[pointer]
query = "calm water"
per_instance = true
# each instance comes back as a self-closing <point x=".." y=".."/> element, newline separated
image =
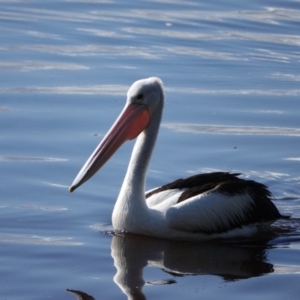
<point x="231" y="72"/>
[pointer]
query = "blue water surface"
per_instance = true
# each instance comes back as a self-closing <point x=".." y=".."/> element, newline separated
<point x="231" y="75"/>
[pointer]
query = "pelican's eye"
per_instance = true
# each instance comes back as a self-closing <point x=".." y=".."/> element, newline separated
<point x="139" y="97"/>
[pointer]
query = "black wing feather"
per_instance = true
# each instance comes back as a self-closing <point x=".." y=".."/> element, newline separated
<point x="262" y="210"/>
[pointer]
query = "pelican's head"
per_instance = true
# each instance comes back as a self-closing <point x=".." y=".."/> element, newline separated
<point x="148" y="92"/>
<point x="144" y="98"/>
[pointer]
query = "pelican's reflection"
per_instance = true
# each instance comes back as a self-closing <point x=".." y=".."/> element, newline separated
<point x="229" y="260"/>
<point x="80" y="295"/>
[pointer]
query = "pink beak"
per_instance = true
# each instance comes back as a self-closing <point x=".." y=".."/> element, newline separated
<point x="131" y="122"/>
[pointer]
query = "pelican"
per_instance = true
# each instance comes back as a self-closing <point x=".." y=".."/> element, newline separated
<point x="200" y="207"/>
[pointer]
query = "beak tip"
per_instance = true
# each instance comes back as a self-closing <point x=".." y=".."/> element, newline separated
<point x="71" y="189"/>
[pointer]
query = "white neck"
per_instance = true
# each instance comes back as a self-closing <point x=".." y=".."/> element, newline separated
<point x="131" y="210"/>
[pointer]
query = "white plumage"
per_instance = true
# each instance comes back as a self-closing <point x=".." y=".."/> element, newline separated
<point x="200" y="207"/>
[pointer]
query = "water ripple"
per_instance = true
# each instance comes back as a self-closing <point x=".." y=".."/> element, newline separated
<point x="122" y="89"/>
<point x="41" y="65"/>
<point x="31" y="159"/>
<point x="237" y="130"/>
<point x="29" y="239"/>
